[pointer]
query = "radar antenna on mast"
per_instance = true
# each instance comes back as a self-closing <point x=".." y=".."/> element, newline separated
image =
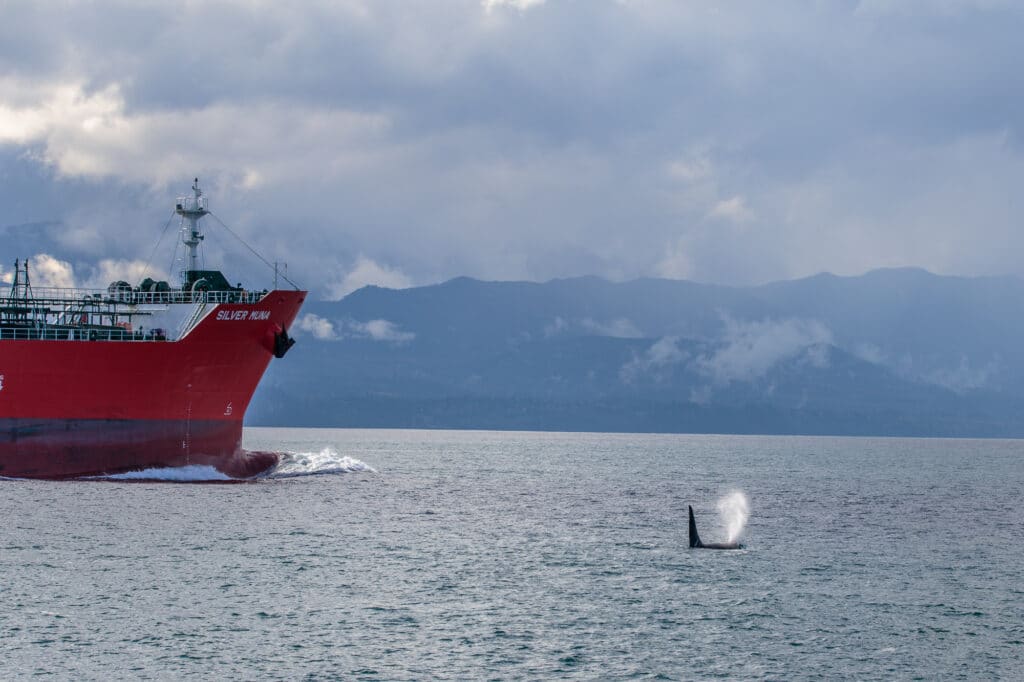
<point x="191" y="209"/>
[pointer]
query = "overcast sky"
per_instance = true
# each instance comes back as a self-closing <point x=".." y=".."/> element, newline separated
<point x="401" y="142"/>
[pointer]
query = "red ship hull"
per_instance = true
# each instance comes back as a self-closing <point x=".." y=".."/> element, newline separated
<point x="86" y="408"/>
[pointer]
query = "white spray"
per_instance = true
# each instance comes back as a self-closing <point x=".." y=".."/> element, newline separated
<point x="735" y="511"/>
<point x="327" y="461"/>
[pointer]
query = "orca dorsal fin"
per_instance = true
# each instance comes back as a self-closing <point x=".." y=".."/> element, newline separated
<point x="694" y="538"/>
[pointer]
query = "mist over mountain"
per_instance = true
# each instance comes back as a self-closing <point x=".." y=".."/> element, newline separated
<point x="892" y="352"/>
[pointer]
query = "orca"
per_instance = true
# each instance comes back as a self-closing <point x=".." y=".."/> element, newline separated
<point x="695" y="542"/>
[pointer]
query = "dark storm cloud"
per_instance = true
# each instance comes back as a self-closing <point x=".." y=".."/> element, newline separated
<point x="417" y="141"/>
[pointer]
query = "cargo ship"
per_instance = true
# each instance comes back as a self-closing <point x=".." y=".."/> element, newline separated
<point x="137" y="377"/>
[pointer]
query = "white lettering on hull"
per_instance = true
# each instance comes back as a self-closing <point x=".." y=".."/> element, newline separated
<point x="239" y="315"/>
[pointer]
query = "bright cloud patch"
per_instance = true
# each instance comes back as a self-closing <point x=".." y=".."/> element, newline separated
<point x="751" y="349"/>
<point x="30" y="112"/>
<point x="317" y="327"/>
<point x="733" y="209"/>
<point x="367" y="272"/>
<point x="380" y="330"/>
<point x="656" y="361"/>
<point x="132" y="271"/>
<point x="374" y="330"/>
<point x="94" y="135"/>
<point x="47" y="271"/>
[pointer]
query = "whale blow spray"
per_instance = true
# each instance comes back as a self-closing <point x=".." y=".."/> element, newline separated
<point x="735" y="511"/>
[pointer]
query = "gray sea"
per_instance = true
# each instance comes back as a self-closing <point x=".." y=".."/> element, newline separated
<point x="399" y="555"/>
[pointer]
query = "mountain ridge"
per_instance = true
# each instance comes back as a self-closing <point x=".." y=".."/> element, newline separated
<point x="897" y="351"/>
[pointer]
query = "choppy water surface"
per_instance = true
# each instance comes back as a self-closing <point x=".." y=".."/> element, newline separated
<point x="418" y="555"/>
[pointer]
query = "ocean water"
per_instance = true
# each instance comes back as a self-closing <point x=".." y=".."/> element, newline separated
<point x="400" y="555"/>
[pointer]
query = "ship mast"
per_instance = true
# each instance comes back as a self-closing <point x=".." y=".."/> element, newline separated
<point x="21" y="288"/>
<point x="191" y="209"/>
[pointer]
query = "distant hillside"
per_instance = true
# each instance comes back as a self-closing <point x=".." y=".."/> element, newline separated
<point x="893" y="352"/>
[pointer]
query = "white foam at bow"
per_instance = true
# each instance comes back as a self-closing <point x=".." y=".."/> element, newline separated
<point x="327" y="461"/>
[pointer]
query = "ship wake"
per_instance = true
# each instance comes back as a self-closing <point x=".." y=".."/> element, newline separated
<point x="193" y="473"/>
<point x="289" y="465"/>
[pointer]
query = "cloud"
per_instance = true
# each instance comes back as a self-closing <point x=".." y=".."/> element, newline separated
<point x="750" y="349"/>
<point x="656" y="362"/>
<point x="962" y="377"/>
<point x="869" y="352"/>
<point x="367" y="272"/>
<point x="132" y="271"/>
<point x="47" y="271"/>
<point x="374" y="330"/>
<point x="619" y="328"/>
<point x="97" y="136"/>
<point x="677" y="262"/>
<point x="733" y="209"/>
<point x="317" y="327"/>
<point x="380" y="330"/>
<point x="556" y="327"/>
<point x="521" y="5"/>
<point x="733" y="143"/>
<point x="31" y="112"/>
<point x="916" y="8"/>
<point x="691" y="170"/>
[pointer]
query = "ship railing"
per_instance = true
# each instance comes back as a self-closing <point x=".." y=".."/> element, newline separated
<point x="80" y="334"/>
<point x="97" y="297"/>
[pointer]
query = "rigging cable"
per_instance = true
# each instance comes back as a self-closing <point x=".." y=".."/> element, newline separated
<point x="254" y="251"/>
<point x="152" y="255"/>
